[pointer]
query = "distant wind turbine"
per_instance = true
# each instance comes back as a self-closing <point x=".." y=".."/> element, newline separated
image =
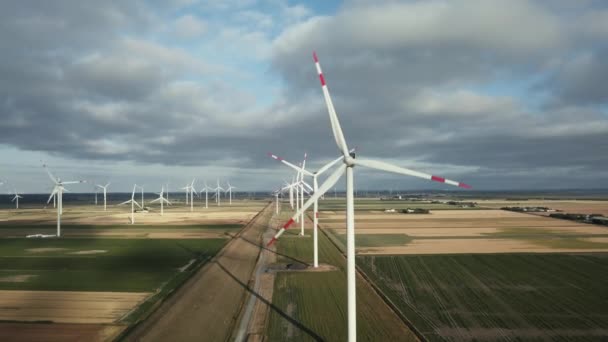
<point x="16" y="199"/>
<point x="162" y="200"/>
<point x="105" y="190"/>
<point x="229" y="190"/>
<point x="133" y="203"/>
<point x="57" y="192"/>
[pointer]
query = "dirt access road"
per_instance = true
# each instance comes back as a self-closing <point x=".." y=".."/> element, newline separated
<point x="207" y="306"/>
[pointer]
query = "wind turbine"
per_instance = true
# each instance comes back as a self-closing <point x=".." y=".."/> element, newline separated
<point x="162" y="200"/>
<point x="16" y="199"/>
<point x="349" y="162"/>
<point x="299" y="186"/>
<point x="218" y="194"/>
<point x="57" y="193"/>
<point x="314" y="176"/>
<point x="133" y="203"/>
<point x="192" y="192"/>
<point x="187" y="189"/>
<point x="206" y="188"/>
<point x="229" y="190"/>
<point x="105" y="190"/>
<point x="142" y="196"/>
<point x="96" y="191"/>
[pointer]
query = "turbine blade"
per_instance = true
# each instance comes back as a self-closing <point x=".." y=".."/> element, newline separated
<point x="378" y="165"/>
<point x="158" y="199"/>
<point x="330" y="164"/>
<point x="125" y="202"/>
<point x="50" y="174"/>
<point x="308" y="186"/>
<point x="297" y="168"/>
<point x="333" y="117"/>
<point x="328" y="184"/>
<point x="52" y="194"/>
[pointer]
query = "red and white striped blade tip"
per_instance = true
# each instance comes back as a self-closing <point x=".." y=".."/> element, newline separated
<point x="271" y="241"/>
<point x="314" y="56"/>
<point x="451" y="182"/>
<point x="274" y="156"/>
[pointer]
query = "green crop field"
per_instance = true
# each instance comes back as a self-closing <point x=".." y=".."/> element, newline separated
<point x="312" y="306"/>
<point x="498" y="296"/>
<point x="98" y="264"/>
<point x="370" y="240"/>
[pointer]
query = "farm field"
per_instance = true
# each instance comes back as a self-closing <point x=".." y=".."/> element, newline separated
<point x="68" y="306"/>
<point x="497" y="297"/>
<point x="97" y="264"/>
<point x="124" y="231"/>
<point x="179" y="214"/>
<point x="103" y="274"/>
<point x="569" y="206"/>
<point x="465" y="231"/>
<point x="363" y="204"/>
<point x="312" y="305"/>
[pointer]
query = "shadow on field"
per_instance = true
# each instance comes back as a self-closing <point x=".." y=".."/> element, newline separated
<point x="263" y="246"/>
<point x="273" y="307"/>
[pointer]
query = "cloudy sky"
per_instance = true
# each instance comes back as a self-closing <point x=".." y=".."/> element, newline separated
<point x="498" y="94"/>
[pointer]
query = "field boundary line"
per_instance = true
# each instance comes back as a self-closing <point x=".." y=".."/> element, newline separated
<point x="377" y="290"/>
<point x="125" y="335"/>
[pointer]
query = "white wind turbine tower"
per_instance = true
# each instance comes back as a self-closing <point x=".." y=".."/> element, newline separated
<point x="218" y="193"/>
<point x="314" y="176"/>
<point x="133" y="203"/>
<point x="162" y="200"/>
<point x="105" y="190"/>
<point x="229" y="190"/>
<point x="96" y="191"/>
<point x="57" y="193"/>
<point x="16" y="198"/>
<point x="192" y="192"/>
<point x="349" y="162"/>
<point x="206" y="189"/>
<point x="141" y="187"/>
<point x="187" y="190"/>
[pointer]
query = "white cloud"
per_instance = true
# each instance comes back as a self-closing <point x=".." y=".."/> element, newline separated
<point x="189" y="26"/>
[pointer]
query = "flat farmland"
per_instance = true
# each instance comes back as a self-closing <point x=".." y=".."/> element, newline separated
<point x="312" y="305"/>
<point x="125" y="231"/>
<point x="131" y="265"/>
<point x="569" y="206"/>
<point x="499" y="296"/>
<point x="68" y="306"/>
<point x="330" y="204"/>
<point x="465" y="231"/>
<point x="239" y="212"/>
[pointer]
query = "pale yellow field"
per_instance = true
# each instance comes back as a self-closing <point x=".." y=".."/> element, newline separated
<point x="121" y="215"/>
<point x="473" y="231"/>
<point x="458" y="223"/>
<point x="569" y="206"/>
<point x="68" y="306"/>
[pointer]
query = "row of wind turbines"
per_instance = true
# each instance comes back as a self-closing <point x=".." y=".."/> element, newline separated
<point x="349" y="161"/>
<point x="59" y="188"/>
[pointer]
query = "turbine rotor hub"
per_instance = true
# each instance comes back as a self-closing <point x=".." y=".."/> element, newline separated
<point x="350" y="160"/>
